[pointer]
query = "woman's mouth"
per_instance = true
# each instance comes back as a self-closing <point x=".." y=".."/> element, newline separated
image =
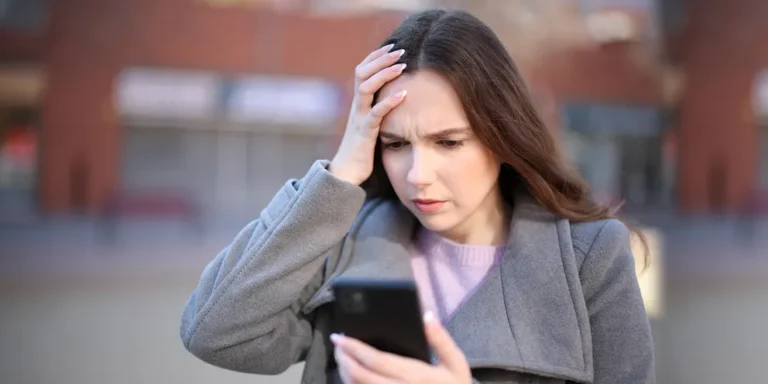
<point x="427" y="205"/>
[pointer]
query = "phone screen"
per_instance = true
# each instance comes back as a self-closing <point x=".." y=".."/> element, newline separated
<point x="385" y="314"/>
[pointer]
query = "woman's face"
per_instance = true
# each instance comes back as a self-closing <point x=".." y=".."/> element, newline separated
<point x="439" y="169"/>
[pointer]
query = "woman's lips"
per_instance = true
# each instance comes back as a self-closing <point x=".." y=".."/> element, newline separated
<point x="427" y="206"/>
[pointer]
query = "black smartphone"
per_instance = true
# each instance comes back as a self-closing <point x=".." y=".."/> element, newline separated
<point x="385" y="314"/>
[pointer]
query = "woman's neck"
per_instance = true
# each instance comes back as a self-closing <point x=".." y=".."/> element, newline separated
<point x="488" y="225"/>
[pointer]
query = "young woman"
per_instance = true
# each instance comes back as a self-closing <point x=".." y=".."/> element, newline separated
<point x="446" y="175"/>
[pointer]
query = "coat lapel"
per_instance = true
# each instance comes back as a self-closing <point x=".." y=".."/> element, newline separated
<point x="527" y="316"/>
<point x="524" y="316"/>
<point x="380" y="246"/>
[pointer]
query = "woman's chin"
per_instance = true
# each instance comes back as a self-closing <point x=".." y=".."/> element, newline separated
<point x="437" y="224"/>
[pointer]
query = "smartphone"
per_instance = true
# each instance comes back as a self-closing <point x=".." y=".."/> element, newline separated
<point x="385" y="314"/>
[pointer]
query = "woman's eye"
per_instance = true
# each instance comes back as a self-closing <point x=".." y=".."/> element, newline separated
<point x="394" y="145"/>
<point x="450" y="143"/>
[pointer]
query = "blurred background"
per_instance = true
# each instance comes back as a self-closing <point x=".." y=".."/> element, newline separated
<point x="138" y="136"/>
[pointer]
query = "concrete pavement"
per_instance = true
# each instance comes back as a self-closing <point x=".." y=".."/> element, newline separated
<point x="86" y="311"/>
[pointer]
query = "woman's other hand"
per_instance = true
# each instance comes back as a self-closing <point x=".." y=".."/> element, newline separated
<point x="360" y="363"/>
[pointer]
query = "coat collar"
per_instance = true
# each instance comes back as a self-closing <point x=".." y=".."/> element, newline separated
<point x="527" y="316"/>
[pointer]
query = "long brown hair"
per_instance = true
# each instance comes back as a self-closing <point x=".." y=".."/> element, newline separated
<point x="500" y="110"/>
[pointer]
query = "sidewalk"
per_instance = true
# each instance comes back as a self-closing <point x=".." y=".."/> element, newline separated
<point x="712" y="246"/>
<point x="691" y="247"/>
<point x="71" y="248"/>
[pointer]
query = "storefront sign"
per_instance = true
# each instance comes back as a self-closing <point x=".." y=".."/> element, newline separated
<point x="188" y="95"/>
<point x="283" y="100"/>
<point x="152" y="93"/>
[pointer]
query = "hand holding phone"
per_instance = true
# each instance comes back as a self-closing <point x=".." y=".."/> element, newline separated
<point x="371" y="351"/>
<point x="385" y="314"/>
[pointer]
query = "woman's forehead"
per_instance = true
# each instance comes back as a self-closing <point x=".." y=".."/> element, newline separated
<point x="430" y="105"/>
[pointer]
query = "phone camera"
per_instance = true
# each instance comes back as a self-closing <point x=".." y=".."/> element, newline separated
<point x="353" y="302"/>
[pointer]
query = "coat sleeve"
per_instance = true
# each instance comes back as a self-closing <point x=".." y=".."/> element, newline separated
<point x="621" y="337"/>
<point x="245" y="314"/>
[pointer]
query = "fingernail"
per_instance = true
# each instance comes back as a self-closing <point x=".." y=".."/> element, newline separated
<point x="429" y="317"/>
<point x="397" y="53"/>
<point x="388" y="48"/>
<point x="340" y="357"/>
<point x="335" y="338"/>
<point x="401" y="94"/>
<point x="402" y="67"/>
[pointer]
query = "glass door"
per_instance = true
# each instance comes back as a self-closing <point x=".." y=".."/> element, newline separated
<point x="19" y="148"/>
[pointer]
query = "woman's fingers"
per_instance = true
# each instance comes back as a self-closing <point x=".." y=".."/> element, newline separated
<point x="353" y="161"/>
<point x="377" y="53"/>
<point x="445" y="348"/>
<point x="375" y="82"/>
<point x="382" y="364"/>
<point x="366" y="70"/>
<point x="353" y="372"/>
<point x="368" y="88"/>
<point x="383" y="107"/>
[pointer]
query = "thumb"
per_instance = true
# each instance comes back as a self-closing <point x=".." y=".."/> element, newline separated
<point x="445" y="348"/>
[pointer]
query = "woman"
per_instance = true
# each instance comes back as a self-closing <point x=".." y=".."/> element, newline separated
<point x="459" y="185"/>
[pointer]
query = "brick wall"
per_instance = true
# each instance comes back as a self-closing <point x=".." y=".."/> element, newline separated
<point x="723" y="47"/>
<point x="91" y="41"/>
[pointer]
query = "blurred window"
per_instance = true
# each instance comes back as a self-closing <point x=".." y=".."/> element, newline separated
<point x="618" y="149"/>
<point x="764" y="156"/>
<point x="28" y="15"/>
<point x="612" y="119"/>
<point x="673" y="15"/>
<point x="229" y="173"/>
<point x="760" y="106"/>
<point x="230" y="142"/>
<point x="19" y="146"/>
<point x="591" y="5"/>
<point x="158" y="159"/>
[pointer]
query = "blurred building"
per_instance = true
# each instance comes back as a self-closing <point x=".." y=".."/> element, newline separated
<point x="220" y="101"/>
<point x="720" y="49"/>
<point x="212" y="102"/>
<point x="597" y="64"/>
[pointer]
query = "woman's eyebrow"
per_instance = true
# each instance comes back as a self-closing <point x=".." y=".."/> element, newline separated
<point x="434" y="135"/>
<point x="448" y="133"/>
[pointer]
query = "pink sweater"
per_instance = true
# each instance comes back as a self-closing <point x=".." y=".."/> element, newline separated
<point x="447" y="273"/>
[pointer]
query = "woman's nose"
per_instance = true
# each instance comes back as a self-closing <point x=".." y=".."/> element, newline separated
<point x="421" y="172"/>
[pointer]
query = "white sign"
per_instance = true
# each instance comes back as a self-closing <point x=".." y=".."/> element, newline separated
<point x="167" y="94"/>
<point x="609" y="26"/>
<point x="284" y="100"/>
<point x="761" y="93"/>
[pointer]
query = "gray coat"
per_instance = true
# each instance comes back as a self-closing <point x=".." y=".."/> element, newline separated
<point x="563" y="306"/>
